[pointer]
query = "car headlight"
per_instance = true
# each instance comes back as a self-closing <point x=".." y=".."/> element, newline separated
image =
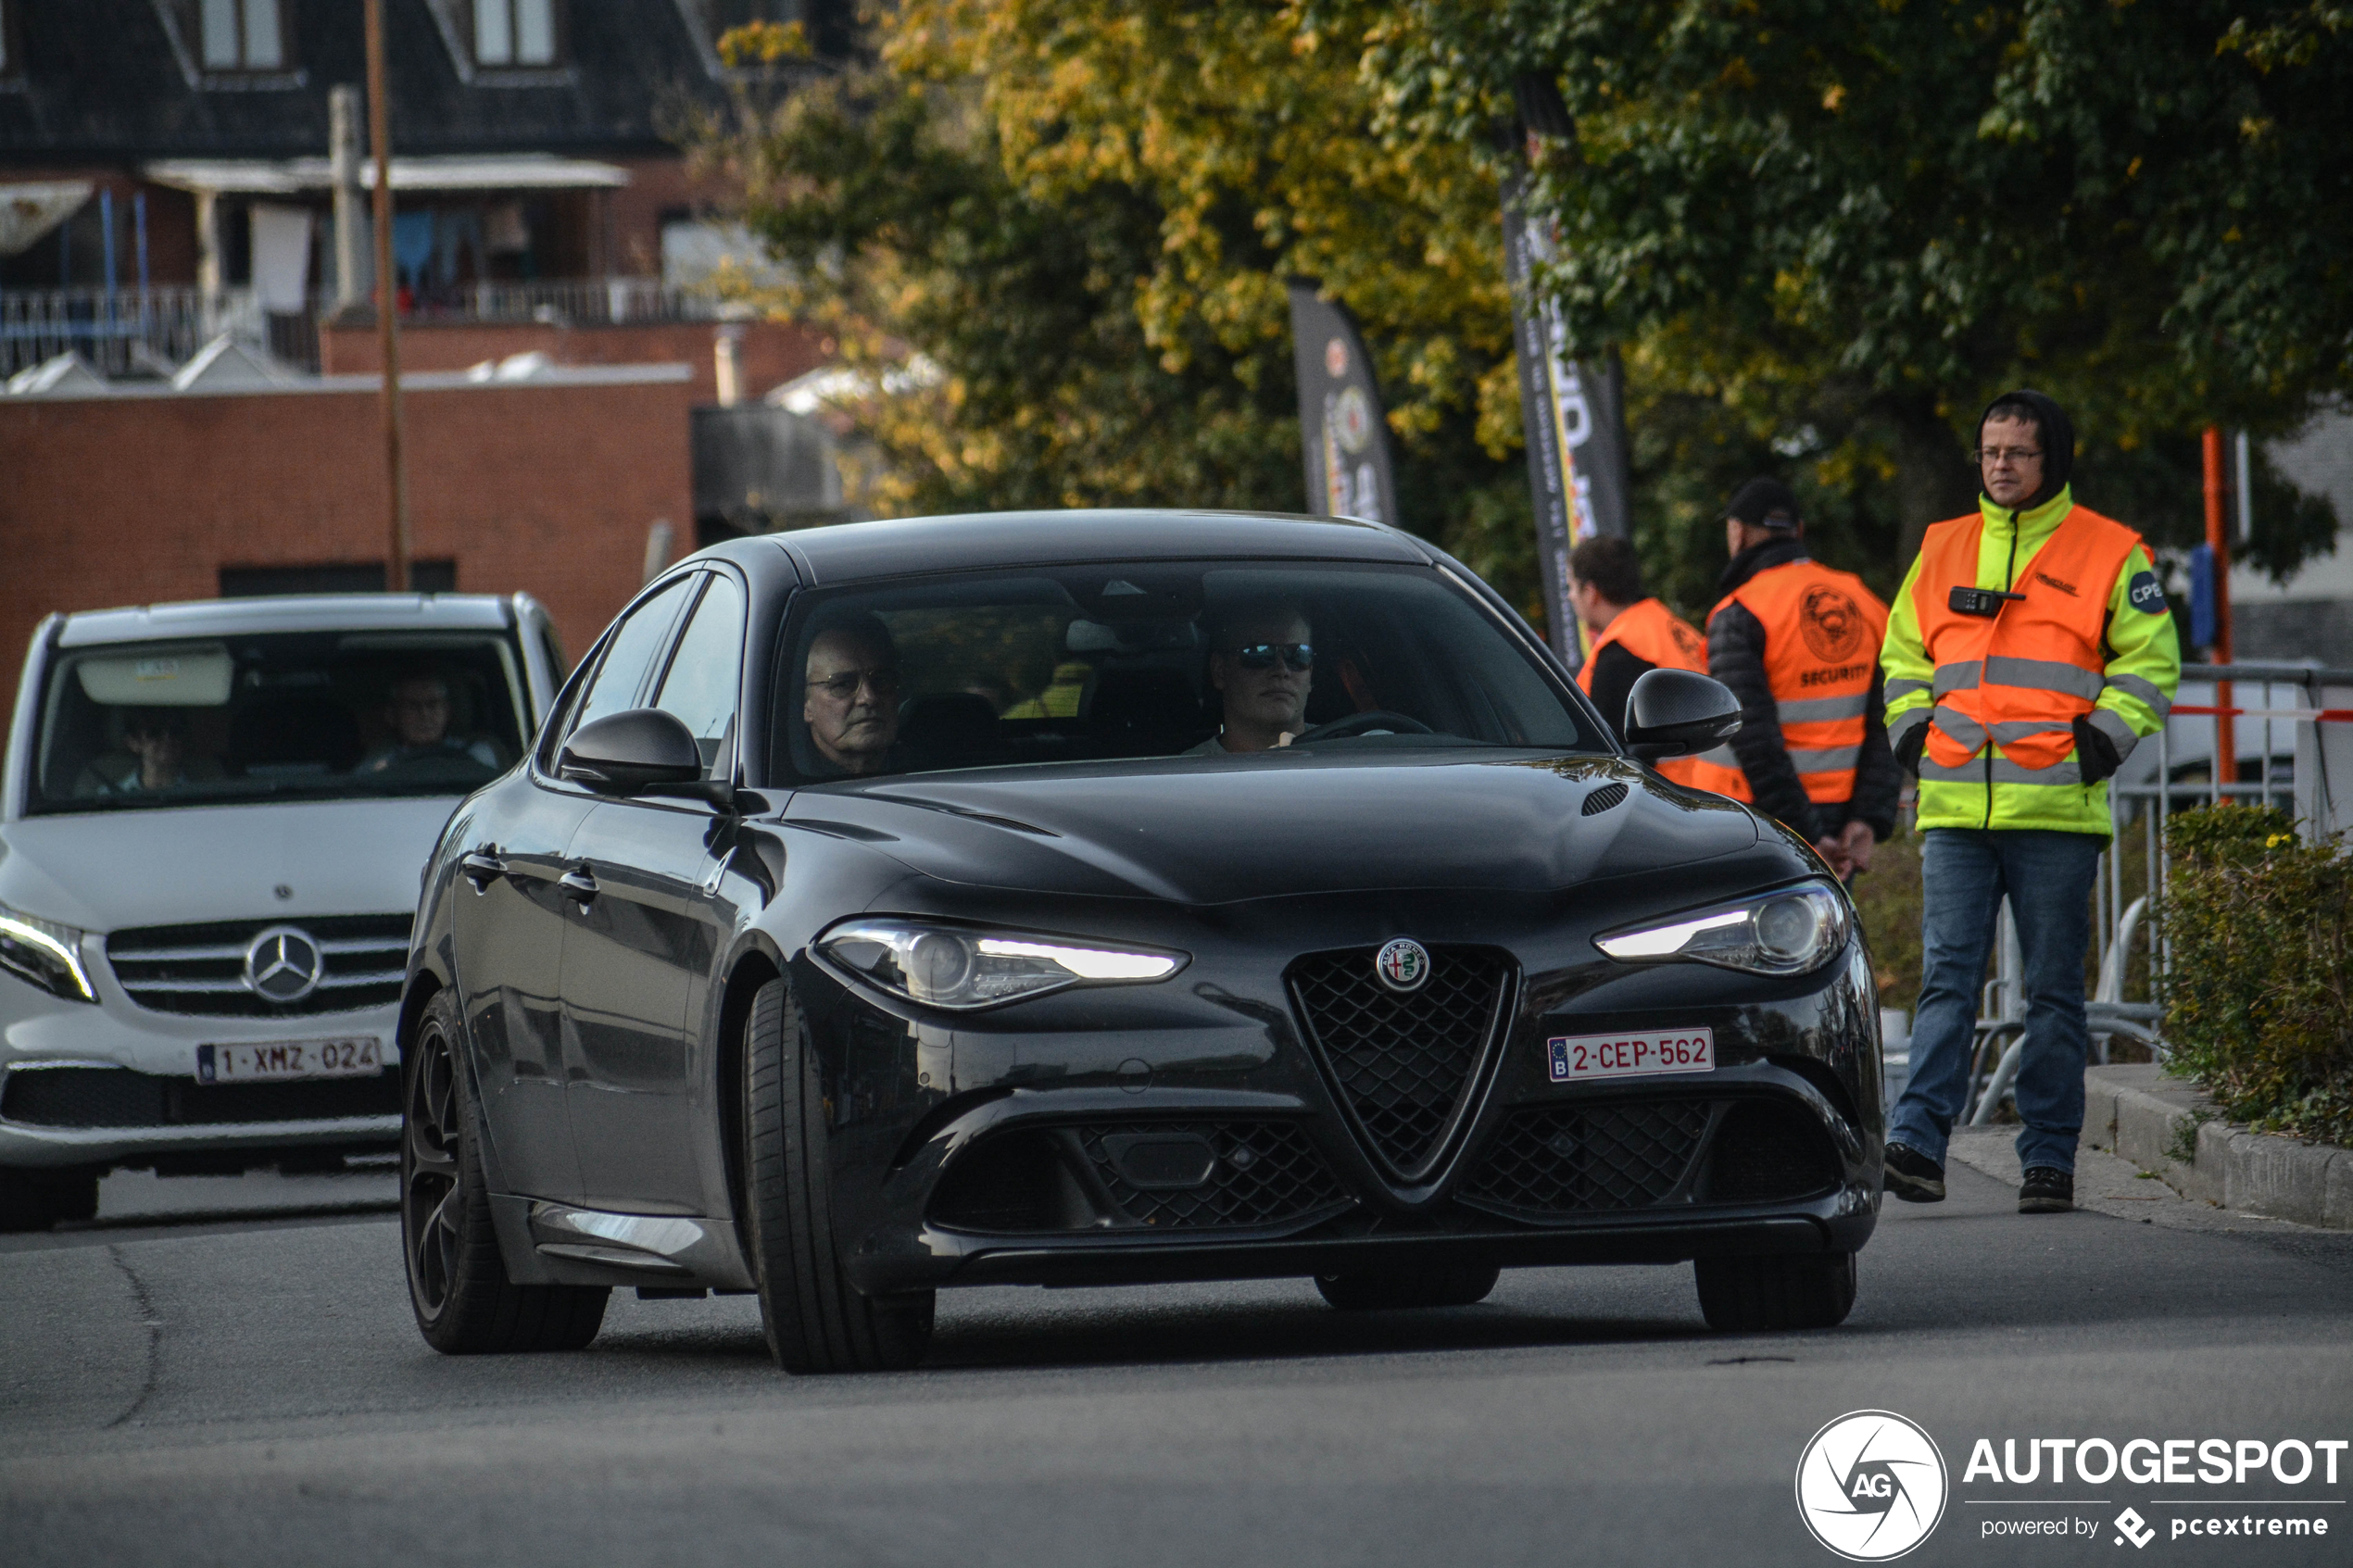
<point x="1784" y="932"/>
<point x="41" y="952"/>
<point x="948" y="966"/>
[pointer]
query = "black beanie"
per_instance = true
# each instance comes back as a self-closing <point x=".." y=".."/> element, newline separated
<point x="2053" y="428"/>
<point x="1766" y="503"/>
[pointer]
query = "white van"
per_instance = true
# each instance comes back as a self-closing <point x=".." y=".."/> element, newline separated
<point x="215" y="817"/>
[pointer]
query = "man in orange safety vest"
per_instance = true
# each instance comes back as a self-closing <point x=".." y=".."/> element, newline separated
<point x="1798" y="642"/>
<point x="1632" y="634"/>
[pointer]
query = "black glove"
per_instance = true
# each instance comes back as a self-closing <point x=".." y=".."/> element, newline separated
<point x="2096" y="756"/>
<point x="1907" y="750"/>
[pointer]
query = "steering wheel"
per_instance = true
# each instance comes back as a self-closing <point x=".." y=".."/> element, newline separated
<point x="1372" y="721"/>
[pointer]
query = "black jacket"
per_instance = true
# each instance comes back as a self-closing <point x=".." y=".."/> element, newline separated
<point x="1615" y="669"/>
<point x="1736" y="656"/>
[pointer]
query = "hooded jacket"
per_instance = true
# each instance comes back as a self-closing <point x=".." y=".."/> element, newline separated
<point x="2137" y="652"/>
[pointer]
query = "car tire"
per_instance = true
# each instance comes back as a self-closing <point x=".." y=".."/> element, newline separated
<point x="457" y="1283"/>
<point x="1373" y="1290"/>
<point x="816" y="1321"/>
<point x="1775" y="1292"/>
<point x="33" y="1200"/>
<point x="73" y="1193"/>
<point x="24" y="1203"/>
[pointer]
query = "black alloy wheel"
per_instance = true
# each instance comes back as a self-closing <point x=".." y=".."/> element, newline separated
<point x="465" y="1303"/>
<point x="1776" y="1292"/>
<point x="817" y="1320"/>
<point x="1374" y="1290"/>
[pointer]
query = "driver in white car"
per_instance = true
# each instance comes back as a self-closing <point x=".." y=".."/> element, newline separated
<point x="1260" y="661"/>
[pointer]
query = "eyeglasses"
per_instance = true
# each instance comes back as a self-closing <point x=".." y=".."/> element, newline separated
<point x="1261" y="656"/>
<point x="844" y="687"/>
<point x="1988" y="456"/>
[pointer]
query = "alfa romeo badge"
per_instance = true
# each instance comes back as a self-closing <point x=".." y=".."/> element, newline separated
<point x="1402" y="964"/>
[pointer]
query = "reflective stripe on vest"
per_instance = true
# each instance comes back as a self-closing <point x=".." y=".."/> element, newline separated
<point x="1655" y="634"/>
<point x="1822" y="635"/>
<point x="2018" y="680"/>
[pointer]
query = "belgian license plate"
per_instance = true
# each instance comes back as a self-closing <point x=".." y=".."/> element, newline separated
<point x="356" y="1057"/>
<point x="1631" y="1055"/>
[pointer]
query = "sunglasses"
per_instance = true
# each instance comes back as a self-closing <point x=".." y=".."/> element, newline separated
<point x="843" y="688"/>
<point x="1261" y="656"/>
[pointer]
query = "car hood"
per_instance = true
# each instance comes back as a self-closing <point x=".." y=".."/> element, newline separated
<point x="1209" y="831"/>
<point x="114" y="870"/>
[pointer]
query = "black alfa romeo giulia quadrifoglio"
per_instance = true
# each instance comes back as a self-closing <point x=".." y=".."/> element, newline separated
<point x="1101" y="896"/>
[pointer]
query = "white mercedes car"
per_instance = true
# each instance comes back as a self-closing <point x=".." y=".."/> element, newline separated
<point x="215" y="818"/>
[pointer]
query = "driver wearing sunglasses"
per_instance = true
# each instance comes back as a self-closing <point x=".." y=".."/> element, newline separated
<point x="1260" y="661"/>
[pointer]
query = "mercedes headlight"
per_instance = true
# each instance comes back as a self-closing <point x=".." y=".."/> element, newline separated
<point x="949" y="966"/>
<point x="1785" y="933"/>
<point x="41" y="952"/>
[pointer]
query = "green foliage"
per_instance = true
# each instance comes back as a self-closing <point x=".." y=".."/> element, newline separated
<point x="1887" y="900"/>
<point x="2183" y="1145"/>
<point x="1082" y="220"/>
<point x="1819" y="233"/>
<point x="1862" y="218"/>
<point x="2258" y="1000"/>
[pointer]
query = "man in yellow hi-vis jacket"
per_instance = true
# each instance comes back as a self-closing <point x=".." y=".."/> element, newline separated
<point x="2029" y="649"/>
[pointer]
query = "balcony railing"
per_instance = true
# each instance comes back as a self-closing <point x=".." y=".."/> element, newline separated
<point x="125" y="331"/>
<point x="132" y="331"/>
<point x="581" y="302"/>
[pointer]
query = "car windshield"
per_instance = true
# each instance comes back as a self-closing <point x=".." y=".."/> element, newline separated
<point x="1156" y="659"/>
<point x="310" y="715"/>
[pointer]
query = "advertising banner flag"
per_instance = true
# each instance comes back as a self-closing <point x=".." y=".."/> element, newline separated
<point x="1343" y="436"/>
<point x="1575" y="420"/>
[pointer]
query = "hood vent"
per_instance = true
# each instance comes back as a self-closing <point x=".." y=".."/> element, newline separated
<point x="1602" y="800"/>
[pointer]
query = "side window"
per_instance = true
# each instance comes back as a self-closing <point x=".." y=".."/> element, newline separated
<point x="701" y="685"/>
<point x="630" y="656"/>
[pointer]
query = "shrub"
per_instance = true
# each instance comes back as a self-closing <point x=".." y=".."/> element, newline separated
<point x="1887" y="900"/>
<point x="2259" y="994"/>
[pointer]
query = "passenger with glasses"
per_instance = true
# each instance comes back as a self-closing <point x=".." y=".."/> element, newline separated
<point x="1260" y="661"/>
<point x="850" y="694"/>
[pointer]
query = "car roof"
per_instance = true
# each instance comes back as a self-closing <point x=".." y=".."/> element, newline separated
<point x="291" y="612"/>
<point x="853" y="551"/>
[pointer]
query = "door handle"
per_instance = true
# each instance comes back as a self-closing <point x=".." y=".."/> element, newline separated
<point x="482" y="867"/>
<point x="578" y="885"/>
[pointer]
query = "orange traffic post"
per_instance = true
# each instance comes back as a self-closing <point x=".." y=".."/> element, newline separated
<point x="2218" y="540"/>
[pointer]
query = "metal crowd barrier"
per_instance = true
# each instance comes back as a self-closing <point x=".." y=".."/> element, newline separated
<point x="2317" y="792"/>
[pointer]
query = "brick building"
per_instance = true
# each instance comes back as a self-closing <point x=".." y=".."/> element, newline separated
<point x="122" y="495"/>
<point x="180" y="149"/>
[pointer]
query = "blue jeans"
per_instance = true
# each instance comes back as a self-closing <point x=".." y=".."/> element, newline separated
<point x="1964" y="873"/>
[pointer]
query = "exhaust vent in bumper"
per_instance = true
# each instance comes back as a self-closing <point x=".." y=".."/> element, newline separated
<point x="1158" y="1176"/>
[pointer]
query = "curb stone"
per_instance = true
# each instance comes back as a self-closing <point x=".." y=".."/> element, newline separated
<point x="2136" y="1110"/>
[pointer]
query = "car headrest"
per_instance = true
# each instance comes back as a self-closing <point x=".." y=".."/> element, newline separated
<point x="295" y="731"/>
<point x="947" y="728"/>
<point x="1144" y="712"/>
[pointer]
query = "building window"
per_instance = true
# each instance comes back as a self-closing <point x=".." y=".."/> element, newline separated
<point x="515" y="33"/>
<point x="241" y="35"/>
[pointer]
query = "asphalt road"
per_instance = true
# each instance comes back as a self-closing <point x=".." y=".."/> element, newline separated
<point x="225" y="1371"/>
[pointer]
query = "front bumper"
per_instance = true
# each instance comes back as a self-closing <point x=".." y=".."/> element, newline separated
<point x="918" y="1100"/>
<point x="41" y="1032"/>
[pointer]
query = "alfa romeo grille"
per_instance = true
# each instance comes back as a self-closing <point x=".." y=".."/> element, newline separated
<point x="1405" y="1062"/>
<point x="1266" y="1172"/>
<point x="1588" y="1158"/>
<point x="200" y="969"/>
